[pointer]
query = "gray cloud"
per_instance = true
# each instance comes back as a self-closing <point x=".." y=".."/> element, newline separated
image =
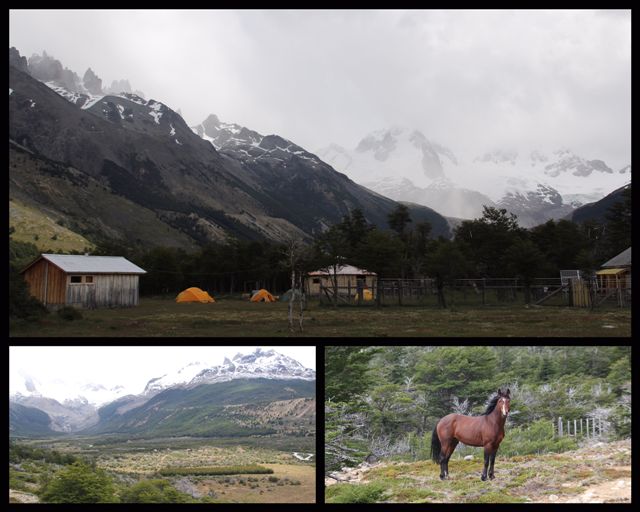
<point x="472" y="80"/>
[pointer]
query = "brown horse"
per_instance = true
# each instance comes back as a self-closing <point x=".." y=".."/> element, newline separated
<point x="486" y="430"/>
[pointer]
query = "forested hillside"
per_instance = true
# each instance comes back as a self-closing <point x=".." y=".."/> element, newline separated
<point x="385" y="401"/>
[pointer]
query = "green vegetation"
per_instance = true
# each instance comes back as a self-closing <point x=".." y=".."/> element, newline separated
<point x="574" y="476"/>
<point x="52" y="236"/>
<point x="230" y="317"/>
<point x="121" y="469"/>
<point x="344" y="493"/>
<point x="154" y="491"/>
<point x="387" y="400"/>
<point x="69" y="313"/>
<point x="217" y="470"/>
<point x="79" y="483"/>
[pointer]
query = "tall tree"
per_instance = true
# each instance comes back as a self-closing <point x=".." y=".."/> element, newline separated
<point x="485" y="240"/>
<point x="347" y="372"/>
<point x="619" y="224"/>
<point x="399" y="219"/>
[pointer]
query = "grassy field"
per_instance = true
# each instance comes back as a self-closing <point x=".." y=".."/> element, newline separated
<point x="230" y="317"/>
<point x="596" y="474"/>
<point x="128" y="461"/>
<point x="33" y="226"/>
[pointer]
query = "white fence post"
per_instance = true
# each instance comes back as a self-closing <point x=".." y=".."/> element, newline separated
<point x="559" y="426"/>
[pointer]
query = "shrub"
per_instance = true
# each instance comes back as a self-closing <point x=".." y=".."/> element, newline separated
<point x="21" y="304"/>
<point x="79" y="483"/>
<point x="217" y="470"/>
<point x="346" y="493"/>
<point x="154" y="491"/>
<point x="69" y="313"/>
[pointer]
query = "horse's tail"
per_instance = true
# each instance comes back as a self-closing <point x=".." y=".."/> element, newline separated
<point x="436" y="447"/>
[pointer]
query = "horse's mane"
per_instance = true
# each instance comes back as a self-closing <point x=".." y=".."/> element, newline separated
<point x="491" y="405"/>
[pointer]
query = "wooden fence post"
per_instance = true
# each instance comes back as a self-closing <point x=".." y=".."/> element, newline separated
<point x="580" y="426"/>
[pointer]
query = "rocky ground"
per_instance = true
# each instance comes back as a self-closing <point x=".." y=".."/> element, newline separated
<point x="598" y="473"/>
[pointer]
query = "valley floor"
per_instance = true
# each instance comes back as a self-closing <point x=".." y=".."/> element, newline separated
<point x="594" y="474"/>
<point x="129" y="461"/>
<point x="231" y="317"/>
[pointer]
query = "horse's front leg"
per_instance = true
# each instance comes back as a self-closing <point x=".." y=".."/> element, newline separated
<point x="487" y="459"/>
<point x="493" y="459"/>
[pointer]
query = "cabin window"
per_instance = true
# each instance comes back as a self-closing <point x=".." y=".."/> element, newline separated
<point x="316" y="280"/>
<point x="76" y="279"/>
<point x="88" y="279"/>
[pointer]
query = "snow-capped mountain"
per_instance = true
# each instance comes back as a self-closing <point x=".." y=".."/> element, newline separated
<point x="250" y="146"/>
<point x="178" y="377"/>
<point x="68" y="394"/>
<point x="404" y="165"/>
<point x="266" y="364"/>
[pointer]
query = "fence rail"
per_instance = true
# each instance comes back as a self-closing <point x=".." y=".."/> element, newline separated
<point x="582" y="427"/>
<point x="549" y="291"/>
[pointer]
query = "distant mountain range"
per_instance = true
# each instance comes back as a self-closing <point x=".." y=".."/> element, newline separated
<point x="405" y="165"/>
<point x="259" y="393"/>
<point x="114" y="165"/>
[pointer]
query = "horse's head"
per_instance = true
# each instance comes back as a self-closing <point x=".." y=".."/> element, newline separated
<point x="504" y="402"/>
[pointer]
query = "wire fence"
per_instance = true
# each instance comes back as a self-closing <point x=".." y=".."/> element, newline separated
<point x="548" y="291"/>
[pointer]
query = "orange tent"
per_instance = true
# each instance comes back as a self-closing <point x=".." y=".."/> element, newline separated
<point x="194" y="295"/>
<point x="262" y="296"/>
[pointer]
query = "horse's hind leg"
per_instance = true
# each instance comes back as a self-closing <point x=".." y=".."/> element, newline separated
<point x="452" y="447"/>
<point x="447" y="451"/>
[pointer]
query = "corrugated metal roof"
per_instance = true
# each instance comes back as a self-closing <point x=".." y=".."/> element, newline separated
<point x="343" y="270"/>
<point x="94" y="264"/>
<point x="621" y="260"/>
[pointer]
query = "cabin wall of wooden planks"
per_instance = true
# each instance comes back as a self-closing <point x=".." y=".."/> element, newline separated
<point x="106" y="290"/>
<point x="43" y="277"/>
<point x="344" y="280"/>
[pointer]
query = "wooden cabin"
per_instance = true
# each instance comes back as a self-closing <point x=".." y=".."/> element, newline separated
<point x="616" y="273"/>
<point x="347" y="275"/>
<point x="80" y="281"/>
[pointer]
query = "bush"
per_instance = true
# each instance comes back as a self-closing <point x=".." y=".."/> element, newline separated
<point x="217" y="470"/>
<point x="69" y="313"/>
<point x="154" y="491"/>
<point x="21" y="304"/>
<point x="79" y="483"/>
<point x="346" y="493"/>
<point x="538" y="438"/>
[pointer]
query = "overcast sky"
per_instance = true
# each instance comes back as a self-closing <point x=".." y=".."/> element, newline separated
<point x="472" y="80"/>
<point x="130" y="367"/>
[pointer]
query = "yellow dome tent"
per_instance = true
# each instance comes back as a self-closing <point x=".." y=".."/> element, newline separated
<point x="262" y="296"/>
<point x="194" y="295"/>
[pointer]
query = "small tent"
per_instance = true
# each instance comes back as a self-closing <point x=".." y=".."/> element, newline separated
<point x="262" y="296"/>
<point x="286" y="296"/>
<point x="194" y="295"/>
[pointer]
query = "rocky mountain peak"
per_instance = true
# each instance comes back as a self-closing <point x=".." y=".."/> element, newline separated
<point x="17" y="61"/>
<point x="92" y="82"/>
